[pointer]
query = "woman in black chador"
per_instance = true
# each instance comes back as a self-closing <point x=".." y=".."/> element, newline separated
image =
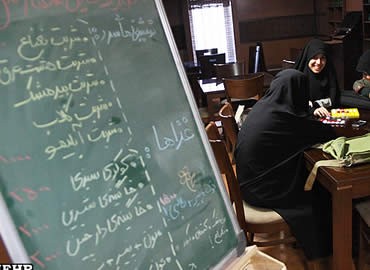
<point x="314" y="62"/>
<point x="270" y="161"/>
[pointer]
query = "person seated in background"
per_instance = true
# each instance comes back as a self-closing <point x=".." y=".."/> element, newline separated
<point x="362" y="87"/>
<point x="314" y="61"/>
<point x="270" y="166"/>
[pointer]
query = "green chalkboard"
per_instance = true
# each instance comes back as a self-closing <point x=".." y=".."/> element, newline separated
<point x="104" y="163"/>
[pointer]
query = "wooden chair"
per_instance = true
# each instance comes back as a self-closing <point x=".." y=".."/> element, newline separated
<point x="230" y="127"/>
<point x="229" y="70"/>
<point x="228" y="121"/>
<point x="206" y="117"/>
<point x="251" y="219"/>
<point x="244" y="87"/>
<point x="287" y="64"/>
<point x="363" y="210"/>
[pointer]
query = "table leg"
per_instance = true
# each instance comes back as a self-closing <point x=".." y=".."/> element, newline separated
<point x="342" y="228"/>
<point x="211" y="107"/>
<point x="213" y="102"/>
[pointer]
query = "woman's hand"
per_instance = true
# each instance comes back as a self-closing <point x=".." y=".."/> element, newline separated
<point x="321" y="111"/>
<point x="358" y="88"/>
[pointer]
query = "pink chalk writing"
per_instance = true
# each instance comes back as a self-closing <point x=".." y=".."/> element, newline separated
<point x="36" y="260"/>
<point x="166" y="199"/>
<point x="26" y="193"/>
<point x="53" y="256"/>
<point x="14" y="159"/>
<point x="30" y="231"/>
<point x="72" y="6"/>
<point x="35" y="257"/>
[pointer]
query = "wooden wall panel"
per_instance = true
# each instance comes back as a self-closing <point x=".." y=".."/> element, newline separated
<point x="277" y="28"/>
<point x="274" y="51"/>
<point x="257" y="9"/>
<point x="173" y="11"/>
<point x="175" y="15"/>
<point x="279" y="25"/>
<point x="354" y="5"/>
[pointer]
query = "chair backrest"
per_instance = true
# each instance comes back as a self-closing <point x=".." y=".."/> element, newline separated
<point x="229" y="70"/>
<point x="287" y="64"/>
<point x="229" y="124"/>
<point x="224" y="164"/>
<point x="207" y="64"/>
<point x="245" y="86"/>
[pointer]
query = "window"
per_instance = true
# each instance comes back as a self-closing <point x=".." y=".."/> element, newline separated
<point x="211" y="26"/>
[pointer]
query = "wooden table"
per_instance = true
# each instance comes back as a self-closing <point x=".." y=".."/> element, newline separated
<point x="344" y="184"/>
<point x="214" y="89"/>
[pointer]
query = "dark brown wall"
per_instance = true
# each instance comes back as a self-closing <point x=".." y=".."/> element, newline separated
<point x="280" y="24"/>
<point x="175" y="15"/>
<point x="174" y="11"/>
<point x="257" y="9"/>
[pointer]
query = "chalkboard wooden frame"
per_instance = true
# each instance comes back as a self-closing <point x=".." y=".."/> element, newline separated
<point x="8" y="229"/>
<point x="10" y="236"/>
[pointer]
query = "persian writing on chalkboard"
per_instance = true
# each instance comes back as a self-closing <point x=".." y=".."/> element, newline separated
<point x="70" y="6"/>
<point x="90" y="180"/>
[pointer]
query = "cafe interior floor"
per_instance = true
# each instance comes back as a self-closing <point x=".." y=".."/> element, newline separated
<point x="293" y="257"/>
<point x="290" y="255"/>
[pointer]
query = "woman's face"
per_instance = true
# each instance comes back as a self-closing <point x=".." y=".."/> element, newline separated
<point x="365" y="76"/>
<point x="317" y="63"/>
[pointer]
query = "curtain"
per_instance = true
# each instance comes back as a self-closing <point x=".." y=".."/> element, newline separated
<point x="203" y="3"/>
<point x="211" y="26"/>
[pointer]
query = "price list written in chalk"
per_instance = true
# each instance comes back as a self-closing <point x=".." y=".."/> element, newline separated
<point x="102" y="161"/>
